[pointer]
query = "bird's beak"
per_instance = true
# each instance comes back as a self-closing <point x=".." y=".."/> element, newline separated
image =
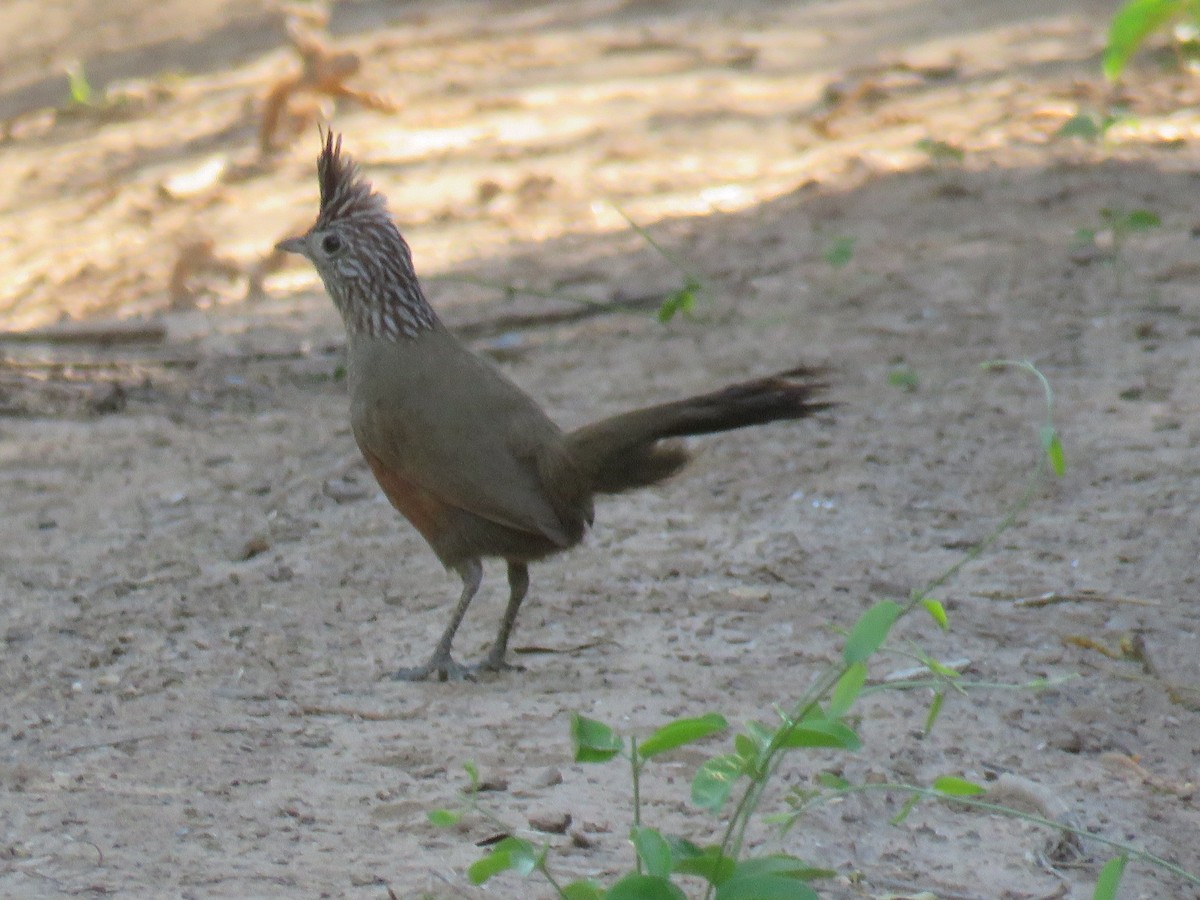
<point x="292" y="245"/>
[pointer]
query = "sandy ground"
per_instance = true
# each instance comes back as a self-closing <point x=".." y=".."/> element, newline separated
<point x="203" y="592"/>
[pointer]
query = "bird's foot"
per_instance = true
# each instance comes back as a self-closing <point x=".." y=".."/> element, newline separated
<point x="441" y="666"/>
<point x="496" y="664"/>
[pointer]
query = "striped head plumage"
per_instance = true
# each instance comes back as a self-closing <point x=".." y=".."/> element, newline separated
<point x="359" y="253"/>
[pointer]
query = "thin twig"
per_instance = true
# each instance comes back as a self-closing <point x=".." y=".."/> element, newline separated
<point x="118" y="332"/>
<point x="367" y="715"/>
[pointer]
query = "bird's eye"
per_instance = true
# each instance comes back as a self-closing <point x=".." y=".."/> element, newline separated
<point x="331" y="243"/>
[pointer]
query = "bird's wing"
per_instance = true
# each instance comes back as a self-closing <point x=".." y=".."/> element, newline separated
<point x="450" y="423"/>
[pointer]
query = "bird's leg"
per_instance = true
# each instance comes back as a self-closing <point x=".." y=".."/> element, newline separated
<point x="441" y="662"/>
<point x="518" y="583"/>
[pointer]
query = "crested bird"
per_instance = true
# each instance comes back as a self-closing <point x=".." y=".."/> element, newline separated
<point x="466" y="456"/>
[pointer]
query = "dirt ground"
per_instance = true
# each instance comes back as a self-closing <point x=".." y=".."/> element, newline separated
<point x="202" y="591"/>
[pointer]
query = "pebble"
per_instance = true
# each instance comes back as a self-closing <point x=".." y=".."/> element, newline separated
<point x="550" y="821"/>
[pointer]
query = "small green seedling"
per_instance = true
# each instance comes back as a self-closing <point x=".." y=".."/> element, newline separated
<point x="679" y="301"/>
<point x="1092" y="127"/>
<point x="940" y="151"/>
<point x="840" y="252"/>
<point x="78" y="85"/>
<point x="1117" y="226"/>
<point x="904" y="376"/>
<point x="695" y="287"/>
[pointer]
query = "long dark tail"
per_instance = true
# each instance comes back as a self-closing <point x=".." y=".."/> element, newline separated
<point x="626" y="451"/>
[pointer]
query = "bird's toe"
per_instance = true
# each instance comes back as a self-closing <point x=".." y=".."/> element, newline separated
<point x="443" y="668"/>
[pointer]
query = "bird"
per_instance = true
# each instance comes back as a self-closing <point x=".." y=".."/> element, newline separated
<point x="463" y="453"/>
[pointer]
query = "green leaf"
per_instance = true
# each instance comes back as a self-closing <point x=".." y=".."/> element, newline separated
<point x="748" y="750"/>
<point x="708" y="863"/>
<point x="934" y="708"/>
<point x="847" y="689"/>
<point x="583" y="890"/>
<point x="511" y="854"/>
<point x="760" y="734"/>
<point x="594" y="741"/>
<point x="829" y="780"/>
<point x="1110" y="879"/>
<point x="870" y="631"/>
<point x="937" y="612"/>
<point x="939" y="668"/>
<point x="909" y="805"/>
<point x="472" y="771"/>
<point x="780" y="864"/>
<point x="680" y="732"/>
<point x="765" y="887"/>
<point x="1080" y="125"/>
<point x="904" y="377"/>
<point x="940" y="151"/>
<point x="680" y="301"/>
<point x="957" y="787"/>
<point x="714" y="780"/>
<point x="443" y="818"/>
<point x="819" y="733"/>
<point x="653" y="850"/>
<point x="78" y="85"/>
<point x="1054" y="449"/>
<point x="644" y="887"/>
<point x="1142" y="219"/>
<point x="840" y="252"/>
<point x="1132" y="24"/>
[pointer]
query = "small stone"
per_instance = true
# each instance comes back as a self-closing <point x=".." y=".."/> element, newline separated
<point x="747" y="592"/>
<point x="1070" y="741"/>
<point x="550" y="821"/>
<point x="497" y="785"/>
<point x="256" y="546"/>
<point x="548" y="778"/>
<point x="281" y="573"/>
<point x="345" y="490"/>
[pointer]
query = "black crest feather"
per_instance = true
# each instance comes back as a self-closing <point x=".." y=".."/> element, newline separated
<point x="344" y="192"/>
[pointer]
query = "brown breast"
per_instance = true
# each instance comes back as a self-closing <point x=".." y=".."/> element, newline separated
<point x="428" y="514"/>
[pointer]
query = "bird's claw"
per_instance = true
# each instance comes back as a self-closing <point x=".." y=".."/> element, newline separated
<point x="443" y="667"/>
<point x="493" y="664"/>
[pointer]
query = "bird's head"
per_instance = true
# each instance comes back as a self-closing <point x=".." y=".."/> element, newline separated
<point x="359" y="253"/>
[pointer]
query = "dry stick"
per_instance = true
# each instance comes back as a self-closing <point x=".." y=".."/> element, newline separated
<point x="520" y="321"/>
<point x="915" y="890"/>
<point x="318" y="709"/>
<point x="482" y="328"/>
<point x="1084" y="596"/>
<point x="115" y="742"/>
<point x="120" y="332"/>
<point x="99" y="365"/>
<point x="346" y="460"/>
<point x="511" y="290"/>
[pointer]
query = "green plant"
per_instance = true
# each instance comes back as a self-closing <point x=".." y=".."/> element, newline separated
<point x="694" y="288"/>
<point x="1118" y="225"/>
<point x="940" y="151"/>
<point x="1137" y="20"/>
<point x="840" y="252"/>
<point x="78" y="86"/>
<point x="1092" y="127"/>
<point x="903" y="376"/>
<point x="85" y="100"/>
